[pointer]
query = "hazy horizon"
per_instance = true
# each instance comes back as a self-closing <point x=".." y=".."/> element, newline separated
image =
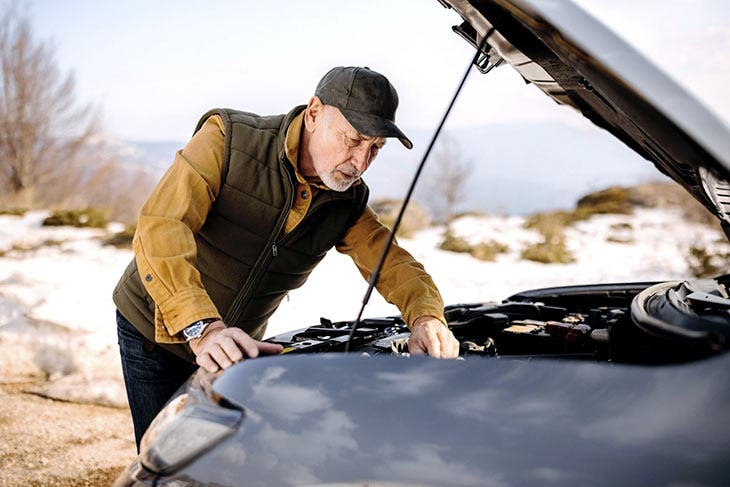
<point x="154" y="68"/>
<point x="504" y="169"/>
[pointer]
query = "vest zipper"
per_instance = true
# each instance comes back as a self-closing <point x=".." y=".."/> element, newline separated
<point x="300" y="225"/>
<point x="254" y="276"/>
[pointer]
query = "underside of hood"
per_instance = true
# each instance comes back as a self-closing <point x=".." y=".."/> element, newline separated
<point x="578" y="62"/>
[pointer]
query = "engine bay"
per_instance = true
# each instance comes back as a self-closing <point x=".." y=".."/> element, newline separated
<point x="647" y="323"/>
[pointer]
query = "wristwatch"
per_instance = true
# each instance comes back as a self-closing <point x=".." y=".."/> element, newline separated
<point x="196" y="329"/>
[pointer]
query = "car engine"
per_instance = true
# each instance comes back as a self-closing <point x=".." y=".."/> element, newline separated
<point x="647" y="323"/>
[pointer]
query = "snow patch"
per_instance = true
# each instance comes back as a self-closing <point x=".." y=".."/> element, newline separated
<point x="57" y="315"/>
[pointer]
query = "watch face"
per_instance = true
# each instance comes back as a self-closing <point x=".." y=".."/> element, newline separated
<point x="194" y="330"/>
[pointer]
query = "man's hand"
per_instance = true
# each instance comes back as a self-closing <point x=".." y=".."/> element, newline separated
<point x="431" y="336"/>
<point x="220" y="347"/>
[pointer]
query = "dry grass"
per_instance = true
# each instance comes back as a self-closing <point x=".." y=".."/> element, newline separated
<point x="486" y="251"/>
<point x="489" y="250"/>
<point x="613" y="200"/>
<point x="415" y="218"/>
<point x="121" y="239"/>
<point x="621" y="233"/>
<point x="18" y="250"/>
<point x="455" y="244"/>
<point x="549" y="251"/>
<point x="706" y="263"/>
<point x="13" y="211"/>
<point x="619" y="200"/>
<point x="621" y="227"/>
<point x="550" y="223"/>
<point x="552" y="249"/>
<point x="87" y="217"/>
<point x="620" y="240"/>
<point x="667" y="194"/>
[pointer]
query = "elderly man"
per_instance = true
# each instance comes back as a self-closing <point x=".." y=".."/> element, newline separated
<point x="246" y="211"/>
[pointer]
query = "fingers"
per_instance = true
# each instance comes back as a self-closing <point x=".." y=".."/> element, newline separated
<point x="254" y="348"/>
<point x="449" y="345"/>
<point x="269" y="348"/>
<point x="222" y="348"/>
<point x="420" y="343"/>
<point x="432" y="337"/>
<point x="230" y="350"/>
<point x="415" y="348"/>
<point x="244" y="342"/>
<point x="433" y="344"/>
<point x="206" y="362"/>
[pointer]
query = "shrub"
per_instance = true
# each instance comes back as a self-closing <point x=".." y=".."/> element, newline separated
<point x="669" y="194"/>
<point x="488" y="250"/>
<point x="704" y="263"/>
<point x="621" y="227"/>
<point x="610" y="200"/>
<point x="455" y="244"/>
<point x="474" y="213"/>
<point x="18" y="250"/>
<point x="121" y="239"/>
<point x="549" y="251"/>
<point x="550" y="224"/>
<point x="621" y="240"/>
<point x="88" y="217"/>
<point x="620" y="233"/>
<point x="415" y="218"/>
<point x="13" y="211"/>
<point x="657" y="194"/>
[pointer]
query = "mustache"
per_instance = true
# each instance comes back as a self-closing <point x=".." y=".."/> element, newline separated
<point x="349" y="170"/>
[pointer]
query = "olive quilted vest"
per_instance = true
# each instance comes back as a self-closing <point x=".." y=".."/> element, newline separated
<point x="246" y="263"/>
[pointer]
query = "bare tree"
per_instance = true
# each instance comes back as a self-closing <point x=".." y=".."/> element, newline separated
<point x="42" y="128"/>
<point x="107" y="184"/>
<point x="451" y="171"/>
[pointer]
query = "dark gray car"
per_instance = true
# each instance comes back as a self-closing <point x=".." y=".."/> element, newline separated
<point x="613" y="384"/>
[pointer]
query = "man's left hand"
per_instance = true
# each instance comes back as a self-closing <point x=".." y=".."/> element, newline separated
<point x="431" y="336"/>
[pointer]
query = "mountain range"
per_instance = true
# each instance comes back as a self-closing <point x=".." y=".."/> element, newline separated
<point x="516" y="168"/>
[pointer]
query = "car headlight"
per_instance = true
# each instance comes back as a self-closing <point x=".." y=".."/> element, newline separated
<point x="183" y="430"/>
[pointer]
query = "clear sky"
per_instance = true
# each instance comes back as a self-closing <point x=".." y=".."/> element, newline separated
<point x="155" y="67"/>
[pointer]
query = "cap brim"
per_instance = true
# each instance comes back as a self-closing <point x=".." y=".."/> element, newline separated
<point x="374" y="126"/>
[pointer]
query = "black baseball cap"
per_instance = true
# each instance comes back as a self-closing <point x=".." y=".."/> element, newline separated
<point x="366" y="99"/>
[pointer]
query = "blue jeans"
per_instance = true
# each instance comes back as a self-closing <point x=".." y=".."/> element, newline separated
<point x="151" y="375"/>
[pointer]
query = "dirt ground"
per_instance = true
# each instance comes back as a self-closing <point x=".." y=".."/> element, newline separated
<point x="45" y="442"/>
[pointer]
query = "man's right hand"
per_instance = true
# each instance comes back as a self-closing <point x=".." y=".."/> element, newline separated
<point x="220" y="347"/>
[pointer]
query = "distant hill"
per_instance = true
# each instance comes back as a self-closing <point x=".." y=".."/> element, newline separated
<point x="521" y="168"/>
<point x="157" y="155"/>
<point x="518" y="168"/>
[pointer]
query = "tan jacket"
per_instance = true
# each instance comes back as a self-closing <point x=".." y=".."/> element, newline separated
<point x="165" y="248"/>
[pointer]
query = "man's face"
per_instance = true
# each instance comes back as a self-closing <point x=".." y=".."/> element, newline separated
<point x="340" y="154"/>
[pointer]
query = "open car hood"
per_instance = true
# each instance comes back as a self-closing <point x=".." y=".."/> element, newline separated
<point x="577" y="61"/>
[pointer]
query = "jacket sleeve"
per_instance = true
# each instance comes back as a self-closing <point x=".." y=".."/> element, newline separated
<point x="164" y="243"/>
<point x="403" y="280"/>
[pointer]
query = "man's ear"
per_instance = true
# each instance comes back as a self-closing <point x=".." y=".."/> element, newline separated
<point x="313" y="113"/>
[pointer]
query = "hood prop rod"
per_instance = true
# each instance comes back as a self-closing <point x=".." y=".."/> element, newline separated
<point x="376" y="273"/>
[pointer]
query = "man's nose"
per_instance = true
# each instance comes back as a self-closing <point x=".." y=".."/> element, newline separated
<point x="361" y="159"/>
